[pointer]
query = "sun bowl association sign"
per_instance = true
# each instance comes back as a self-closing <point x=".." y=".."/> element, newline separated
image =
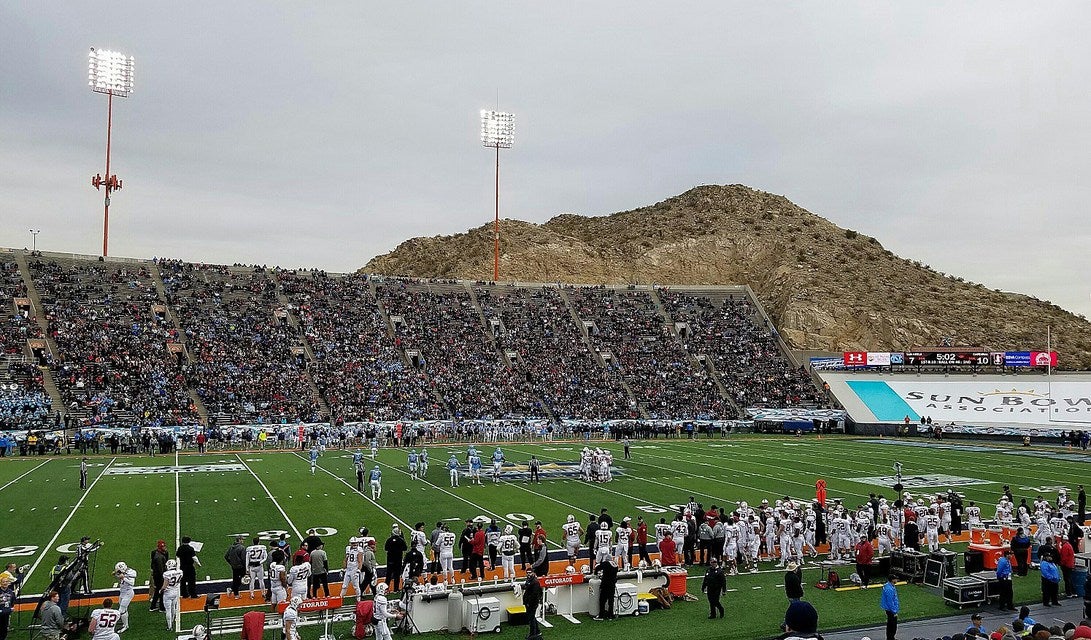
<point x="1030" y="402"/>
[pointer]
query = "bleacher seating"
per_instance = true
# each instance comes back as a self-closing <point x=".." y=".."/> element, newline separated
<point x="358" y="369"/>
<point x="277" y="346"/>
<point x="113" y="365"/>
<point x="745" y="353"/>
<point x="244" y="364"/>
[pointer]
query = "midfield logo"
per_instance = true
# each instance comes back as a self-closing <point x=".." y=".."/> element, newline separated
<point x="922" y="480"/>
<point x="182" y="468"/>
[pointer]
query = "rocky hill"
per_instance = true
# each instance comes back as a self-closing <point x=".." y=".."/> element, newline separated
<point x="827" y="288"/>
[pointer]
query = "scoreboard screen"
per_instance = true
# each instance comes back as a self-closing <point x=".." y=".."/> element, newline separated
<point x="953" y="358"/>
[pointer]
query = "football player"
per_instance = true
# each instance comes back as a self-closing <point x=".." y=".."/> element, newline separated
<point x="290" y="618"/>
<point x="376" y="478"/>
<point x="446" y="544"/>
<point x="278" y="583"/>
<point x="314" y="458"/>
<point x="624" y="538"/>
<point x="104" y="622"/>
<point x="299" y="576"/>
<point x="352" y="568"/>
<point x="126" y="579"/>
<point x="452" y="467"/>
<point x="413" y="463"/>
<point x="423" y="463"/>
<point x="603" y="537"/>
<point x="509" y="544"/>
<point x="573" y="533"/>
<point x="256" y="555"/>
<point x="172" y="581"/>
<point x="497" y="464"/>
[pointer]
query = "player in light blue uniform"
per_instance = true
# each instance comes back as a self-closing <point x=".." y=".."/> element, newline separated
<point x="376" y="483"/>
<point x="497" y="465"/>
<point x="475" y="469"/>
<point x="413" y="463"/>
<point x="314" y="459"/>
<point x="452" y="466"/>
<point x="374" y="448"/>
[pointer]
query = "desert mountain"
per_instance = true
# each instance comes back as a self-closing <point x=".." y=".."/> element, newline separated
<point x="827" y="288"/>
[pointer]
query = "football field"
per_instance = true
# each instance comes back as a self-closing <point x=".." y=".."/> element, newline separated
<point x="132" y="501"/>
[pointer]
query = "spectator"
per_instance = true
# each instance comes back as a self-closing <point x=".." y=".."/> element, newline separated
<point x="52" y="618"/>
<point x="890" y="605"/>
<point x="1051" y="575"/>
<point x="977" y="626"/>
<point x="800" y="622"/>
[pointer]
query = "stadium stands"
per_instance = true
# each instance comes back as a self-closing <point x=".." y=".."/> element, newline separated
<point x="137" y="343"/>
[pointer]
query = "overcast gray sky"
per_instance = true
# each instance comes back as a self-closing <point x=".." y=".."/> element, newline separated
<point x="324" y="133"/>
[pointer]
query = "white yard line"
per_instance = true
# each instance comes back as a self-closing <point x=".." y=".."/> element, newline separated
<point x="299" y="536"/>
<point x="49" y="547"/>
<point x="361" y="493"/>
<point x="24" y="474"/>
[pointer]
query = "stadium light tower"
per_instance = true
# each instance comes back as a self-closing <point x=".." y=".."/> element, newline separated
<point x="111" y="73"/>
<point x="498" y="132"/>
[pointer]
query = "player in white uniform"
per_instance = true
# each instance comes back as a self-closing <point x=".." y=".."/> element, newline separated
<point x="382" y="613"/>
<point x="290" y="618"/>
<point x="353" y="558"/>
<point x="423" y="464"/>
<point x="104" y="622"/>
<point x="376" y="478"/>
<point x="446" y="543"/>
<point x="172" y="582"/>
<point x="603" y="538"/>
<point x="810" y="522"/>
<point x="931" y="529"/>
<point x="753" y="542"/>
<point x="621" y="550"/>
<point x="661" y="530"/>
<point x="126" y="579"/>
<point x="731" y="547"/>
<point x="299" y="576"/>
<point x="973" y="515"/>
<point x="1059" y="525"/>
<point x="508" y="545"/>
<point x="278" y="583"/>
<point x="573" y="534"/>
<point x="885" y="545"/>
<point x="256" y="555"/>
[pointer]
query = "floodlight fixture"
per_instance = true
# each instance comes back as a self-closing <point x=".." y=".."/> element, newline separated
<point x="497" y="132"/>
<point x="497" y="129"/>
<point x="109" y="72"/>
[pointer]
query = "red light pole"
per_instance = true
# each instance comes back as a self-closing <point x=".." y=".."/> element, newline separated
<point x="111" y="73"/>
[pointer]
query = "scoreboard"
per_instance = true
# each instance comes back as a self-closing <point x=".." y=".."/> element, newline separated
<point x="953" y="358"/>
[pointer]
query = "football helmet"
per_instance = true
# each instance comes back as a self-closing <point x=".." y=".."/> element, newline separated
<point x="121" y="567"/>
<point x="172" y="565"/>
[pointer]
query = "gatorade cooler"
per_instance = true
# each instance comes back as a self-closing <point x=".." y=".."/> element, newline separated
<point x="994" y="536"/>
<point x="676" y="581"/>
<point x="977" y="536"/>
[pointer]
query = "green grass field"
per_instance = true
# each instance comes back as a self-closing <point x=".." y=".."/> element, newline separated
<point x="274" y="492"/>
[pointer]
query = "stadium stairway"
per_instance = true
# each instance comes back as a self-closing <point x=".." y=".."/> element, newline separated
<point x="36" y="301"/>
<point x="160" y="287"/>
<point x="587" y="342"/>
<point x="295" y="324"/>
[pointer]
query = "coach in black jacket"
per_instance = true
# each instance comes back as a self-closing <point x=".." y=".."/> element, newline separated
<point x="607" y="589"/>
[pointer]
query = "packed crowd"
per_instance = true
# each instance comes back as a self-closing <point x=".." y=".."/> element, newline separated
<point x="661" y="374"/>
<point x="447" y="329"/>
<point x="552" y="356"/>
<point x="113" y="346"/>
<point x="358" y="369"/>
<point x="745" y="354"/>
<point x="271" y="346"/>
<point x="248" y="361"/>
